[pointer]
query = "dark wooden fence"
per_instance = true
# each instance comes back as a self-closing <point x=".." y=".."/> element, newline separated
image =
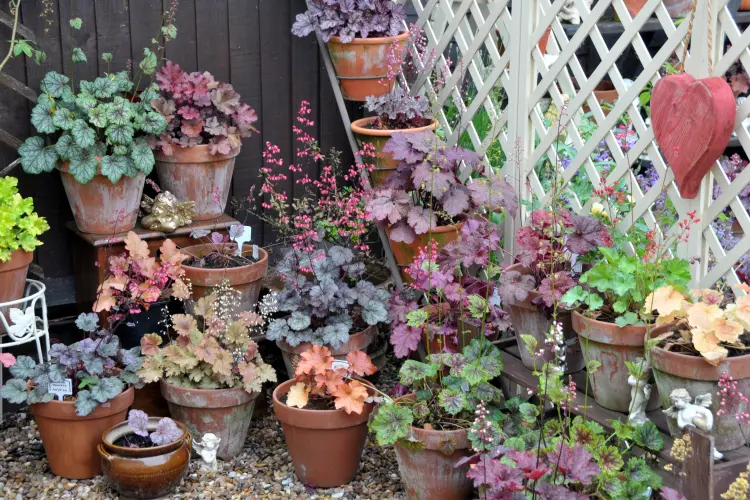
<point x="246" y="42"/>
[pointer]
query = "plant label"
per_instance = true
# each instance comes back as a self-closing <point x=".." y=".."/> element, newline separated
<point x="256" y="255"/>
<point x="61" y="389"/>
<point x="241" y="235"/>
<point x="340" y="363"/>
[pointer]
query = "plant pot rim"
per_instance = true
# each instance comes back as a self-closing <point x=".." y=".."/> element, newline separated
<point x="153" y="450"/>
<point x="263" y="256"/>
<point x="65" y="410"/>
<point x="433" y="437"/>
<point x="358" y="127"/>
<point x="357" y="339"/>
<point x="195" y="154"/>
<point x="64" y="167"/>
<point x="696" y="367"/>
<point x="238" y="389"/>
<point x="610" y="333"/>
<point x="18" y="258"/>
<point x="437" y="230"/>
<point x="372" y="40"/>
<point x="206" y="276"/>
<point x="316" y="419"/>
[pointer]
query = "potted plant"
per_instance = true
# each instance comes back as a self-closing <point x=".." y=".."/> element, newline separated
<point x="430" y="425"/>
<point x="424" y="199"/>
<point x="326" y="407"/>
<point x="704" y="352"/>
<point x="210" y="370"/>
<point x="327" y="303"/>
<point x="394" y="111"/>
<point x="206" y="121"/>
<point x="21" y="227"/>
<point x="92" y="382"/>
<point x="364" y="38"/>
<point x="145" y="457"/>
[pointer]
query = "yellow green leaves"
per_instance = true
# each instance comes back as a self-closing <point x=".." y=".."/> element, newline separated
<point x="19" y="224"/>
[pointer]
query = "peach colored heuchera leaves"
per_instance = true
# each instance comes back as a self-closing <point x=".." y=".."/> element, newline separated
<point x="316" y="377"/>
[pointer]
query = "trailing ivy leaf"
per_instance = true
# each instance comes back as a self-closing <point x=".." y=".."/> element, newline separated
<point x="107" y="388"/>
<point x="35" y="157"/>
<point x="85" y="403"/>
<point x="54" y="83"/>
<point x="78" y="56"/>
<point x="413" y="371"/>
<point x="648" y="436"/>
<point x="76" y="23"/>
<point x="144" y="159"/>
<point x="63" y="118"/>
<point x="148" y="63"/>
<point x="452" y="401"/>
<point x="98" y="116"/>
<point x="120" y="134"/>
<point x="114" y="167"/>
<point x="391" y="423"/>
<point x="42" y="118"/>
<point x="83" y="134"/>
<point x="14" y="391"/>
<point x="83" y="165"/>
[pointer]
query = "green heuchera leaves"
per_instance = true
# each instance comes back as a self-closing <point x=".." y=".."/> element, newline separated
<point x="391" y="423"/>
<point x="19" y="224"/>
<point x="101" y="128"/>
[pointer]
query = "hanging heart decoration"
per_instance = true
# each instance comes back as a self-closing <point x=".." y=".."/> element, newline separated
<point x="693" y="122"/>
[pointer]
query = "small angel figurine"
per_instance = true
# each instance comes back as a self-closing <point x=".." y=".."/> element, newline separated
<point x="166" y="213"/>
<point x="640" y="393"/>
<point x="207" y="449"/>
<point x="695" y="414"/>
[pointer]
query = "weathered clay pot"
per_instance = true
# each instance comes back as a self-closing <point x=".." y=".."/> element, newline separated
<point x="144" y="472"/>
<point x="405" y="253"/>
<point x="745" y="5"/>
<point x="357" y="342"/>
<point x="468" y="330"/>
<point x="528" y="319"/>
<point x="385" y="165"/>
<point x="224" y="412"/>
<point x="100" y="207"/>
<point x="325" y="445"/>
<point x="675" y="371"/>
<point x="194" y="174"/>
<point x="362" y="64"/>
<point x="612" y="346"/>
<point x="245" y="279"/>
<point x="70" y="441"/>
<point x="13" y="278"/>
<point x="429" y="474"/>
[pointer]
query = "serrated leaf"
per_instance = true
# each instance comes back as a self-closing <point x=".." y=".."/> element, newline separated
<point x="85" y="403"/>
<point x="120" y="150"/>
<point x="169" y="32"/>
<point x="98" y="116"/>
<point x="120" y="134"/>
<point x="66" y="147"/>
<point x="154" y="123"/>
<point x="148" y="63"/>
<point x="107" y="388"/>
<point x="453" y="402"/>
<point x="35" y="157"/>
<point x="86" y="102"/>
<point x="119" y="111"/>
<point x="24" y="367"/>
<point x="78" y="56"/>
<point x="94" y="365"/>
<point x="14" y="391"/>
<point x="391" y="423"/>
<point x="63" y="118"/>
<point x="76" y="23"/>
<point x="647" y="436"/>
<point x="107" y="57"/>
<point x="114" y="167"/>
<point x="143" y="158"/>
<point x="54" y="83"/>
<point x="42" y="118"/>
<point x="103" y="87"/>
<point x="416" y="318"/>
<point x="84" y="135"/>
<point x="413" y="371"/>
<point x="83" y="165"/>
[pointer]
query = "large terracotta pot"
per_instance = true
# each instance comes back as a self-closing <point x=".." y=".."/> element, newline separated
<point x="357" y="342"/>
<point x="100" y="207"/>
<point x="385" y="165"/>
<point x="325" y="445"/>
<point x="144" y="472"/>
<point x="612" y="346"/>
<point x="405" y="253"/>
<point x="70" y="441"/>
<point x="224" y="412"/>
<point x="245" y="279"/>
<point x="745" y="5"/>
<point x="13" y="278"/>
<point x="428" y="473"/>
<point x="673" y="370"/>
<point x="362" y="64"/>
<point x="676" y="8"/>
<point x="528" y="319"/>
<point x="468" y="330"/>
<point x="194" y="174"/>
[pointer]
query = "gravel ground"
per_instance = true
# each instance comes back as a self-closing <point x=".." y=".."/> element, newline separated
<point x="263" y="470"/>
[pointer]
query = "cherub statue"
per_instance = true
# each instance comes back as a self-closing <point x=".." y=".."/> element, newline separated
<point x="207" y="449"/>
<point x="569" y="12"/>
<point x="640" y="392"/>
<point x="695" y="414"/>
<point x="166" y="213"/>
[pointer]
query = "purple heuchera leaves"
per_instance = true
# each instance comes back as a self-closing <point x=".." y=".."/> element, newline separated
<point x="670" y="494"/>
<point x="138" y="422"/>
<point x="405" y="340"/>
<point x="348" y="19"/>
<point x="515" y="287"/>
<point x="498" y="476"/>
<point x="587" y="234"/>
<point x="167" y="431"/>
<point x="575" y="464"/>
<point x="551" y="290"/>
<point x="398" y="110"/>
<point x="549" y="491"/>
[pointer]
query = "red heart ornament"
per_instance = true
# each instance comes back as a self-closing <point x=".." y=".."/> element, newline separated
<point x="693" y="122"/>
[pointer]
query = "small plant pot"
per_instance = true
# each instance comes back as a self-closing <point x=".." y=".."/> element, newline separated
<point x="429" y="474"/>
<point x="144" y="472"/>
<point x="745" y="5"/>
<point x="70" y="441"/>
<point x="245" y="279"/>
<point x="13" y="278"/>
<point x="325" y="445"/>
<point x="362" y="64"/>
<point x="224" y="412"/>
<point x="384" y="165"/>
<point x="357" y="342"/>
<point x="194" y="174"/>
<point x="100" y="207"/>
<point x="673" y="370"/>
<point x="468" y="330"/>
<point x="612" y="346"/>
<point x="405" y="253"/>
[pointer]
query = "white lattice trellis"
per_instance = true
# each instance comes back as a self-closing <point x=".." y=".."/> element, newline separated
<point x="471" y="32"/>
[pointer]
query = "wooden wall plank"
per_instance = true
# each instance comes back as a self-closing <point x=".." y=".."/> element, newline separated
<point x="85" y="38"/>
<point x="183" y="51"/>
<point x="213" y="38"/>
<point x="145" y="22"/>
<point x="112" y="35"/>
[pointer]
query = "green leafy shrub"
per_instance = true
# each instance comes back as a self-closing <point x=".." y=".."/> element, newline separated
<point x="19" y="224"/>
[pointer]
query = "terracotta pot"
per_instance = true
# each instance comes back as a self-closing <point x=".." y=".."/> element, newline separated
<point x="676" y="8"/>
<point x="13" y="278"/>
<point x="245" y="279"/>
<point x="224" y="412"/>
<point x="149" y="399"/>
<point x="528" y="319"/>
<point x="100" y="207"/>
<point x="385" y="165"/>
<point x="468" y="330"/>
<point x="70" y="441"/>
<point x="544" y="40"/>
<point x="194" y="174"/>
<point x="612" y="346"/>
<point x="325" y="445"/>
<point x="362" y="64"/>
<point x="674" y="371"/>
<point x="745" y="5"/>
<point x="429" y="474"/>
<point x="405" y="253"/>
<point x="357" y="342"/>
<point x="144" y="472"/>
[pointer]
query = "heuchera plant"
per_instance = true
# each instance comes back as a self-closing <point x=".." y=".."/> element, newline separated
<point x="349" y="19"/>
<point x="166" y="432"/>
<point x="398" y="110"/>
<point x="326" y="298"/>
<point x="425" y="190"/>
<point x="317" y="379"/>
<point x="200" y="110"/>
<point x="19" y="225"/>
<point x="212" y="349"/>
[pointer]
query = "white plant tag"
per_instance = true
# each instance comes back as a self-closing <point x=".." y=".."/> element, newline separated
<point x="240" y="235"/>
<point x="340" y="363"/>
<point x="61" y="389"/>
<point x="256" y="254"/>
